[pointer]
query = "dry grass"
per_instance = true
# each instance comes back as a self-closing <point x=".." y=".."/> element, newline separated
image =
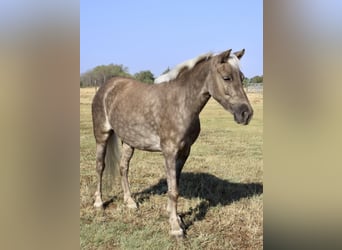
<point x="221" y="200"/>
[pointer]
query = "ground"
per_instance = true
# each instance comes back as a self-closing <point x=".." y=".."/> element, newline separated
<point x="221" y="189"/>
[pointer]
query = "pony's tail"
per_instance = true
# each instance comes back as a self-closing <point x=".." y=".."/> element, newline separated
<point x="112" y="162"/>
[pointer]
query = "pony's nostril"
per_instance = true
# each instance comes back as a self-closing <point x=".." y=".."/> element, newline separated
<point x="248" y="117"/>
<point x="243" y="114"/>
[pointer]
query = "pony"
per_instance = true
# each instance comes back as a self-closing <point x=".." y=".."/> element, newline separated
<point x="164" y="117"/>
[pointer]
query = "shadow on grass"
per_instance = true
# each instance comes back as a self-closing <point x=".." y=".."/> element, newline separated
<point x="211" y="190"/>
<point x="108" y="202"/>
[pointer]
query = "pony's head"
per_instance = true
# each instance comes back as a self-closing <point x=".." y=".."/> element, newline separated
<point x="226" y="85"/>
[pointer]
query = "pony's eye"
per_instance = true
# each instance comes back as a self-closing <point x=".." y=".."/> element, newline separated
<point x="227" y="78"/>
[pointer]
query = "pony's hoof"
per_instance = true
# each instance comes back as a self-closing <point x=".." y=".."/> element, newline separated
<point x="98" y="204"/>
<point x="132" y="205"/>
<point x="179" y="234"/>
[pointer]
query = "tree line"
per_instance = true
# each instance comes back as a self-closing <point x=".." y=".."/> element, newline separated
<point x="100" y="74"/>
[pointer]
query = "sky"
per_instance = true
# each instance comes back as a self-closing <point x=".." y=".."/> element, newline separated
<point x="154" y="35"/>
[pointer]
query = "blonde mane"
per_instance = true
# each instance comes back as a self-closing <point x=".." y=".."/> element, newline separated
<point x="189" y="64"/>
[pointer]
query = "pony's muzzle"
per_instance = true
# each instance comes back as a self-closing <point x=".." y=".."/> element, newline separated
<point x="243" y="114"/>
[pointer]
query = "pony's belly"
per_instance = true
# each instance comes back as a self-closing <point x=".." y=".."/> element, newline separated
<point x="140" y="138"/>
<point x="144" y="143"/>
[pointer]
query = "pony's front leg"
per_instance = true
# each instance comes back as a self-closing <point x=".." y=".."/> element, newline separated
<point x="171" y="174"/>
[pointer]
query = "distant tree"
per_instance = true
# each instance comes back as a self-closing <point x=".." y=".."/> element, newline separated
<point x="144" y="76"/>
<point x="261" y="79"/>
<point x="103" y="72"/>
<point x="245" y="82"/>
<point x="100" y="74"/>
<point x="86" y="79"/>
<point x="257" y="79"/>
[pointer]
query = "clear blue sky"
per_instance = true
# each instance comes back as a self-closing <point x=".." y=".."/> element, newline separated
<point x="154" y="35"/>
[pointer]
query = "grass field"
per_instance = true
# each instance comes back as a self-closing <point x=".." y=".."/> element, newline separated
<point x="221" y="190"/>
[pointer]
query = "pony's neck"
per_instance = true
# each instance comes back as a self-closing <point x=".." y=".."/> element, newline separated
<point x="194" y="84"/>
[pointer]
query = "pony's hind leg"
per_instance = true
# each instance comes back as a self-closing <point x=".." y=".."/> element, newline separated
<point x="100" y="165"/>
<point x="127" y="153"/>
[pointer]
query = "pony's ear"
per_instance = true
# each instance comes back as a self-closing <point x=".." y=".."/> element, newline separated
<point x="240" y="53"/>
<point x="223" y="57"/>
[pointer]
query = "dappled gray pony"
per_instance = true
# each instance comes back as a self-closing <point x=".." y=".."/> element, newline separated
<point x="164" y="117"/>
